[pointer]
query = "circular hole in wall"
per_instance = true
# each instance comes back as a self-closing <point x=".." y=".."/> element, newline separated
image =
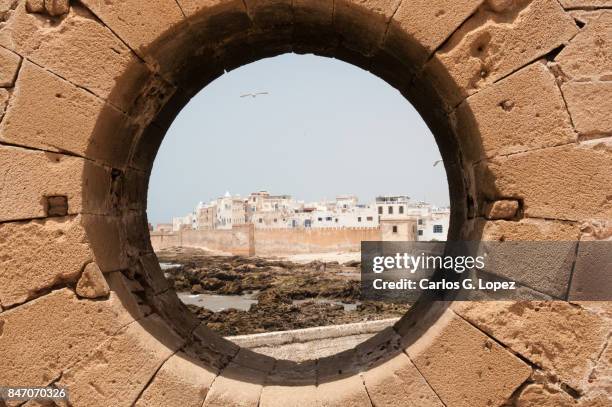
<point x="265" y="186"/>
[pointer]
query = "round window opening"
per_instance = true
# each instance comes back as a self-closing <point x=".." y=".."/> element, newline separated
<point x="266" y="185"/>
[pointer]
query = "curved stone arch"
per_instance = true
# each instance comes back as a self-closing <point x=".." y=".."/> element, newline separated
<point x="90" y="93"/>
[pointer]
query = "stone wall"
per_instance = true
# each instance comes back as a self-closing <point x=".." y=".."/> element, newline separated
<point x="247" y="240"/>
<point x="516" y="92"/>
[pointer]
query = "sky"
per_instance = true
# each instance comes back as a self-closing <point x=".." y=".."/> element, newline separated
<point x="325" y="128"/>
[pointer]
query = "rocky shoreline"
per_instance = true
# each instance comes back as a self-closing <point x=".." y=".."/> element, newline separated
<point x="289" y="295"/>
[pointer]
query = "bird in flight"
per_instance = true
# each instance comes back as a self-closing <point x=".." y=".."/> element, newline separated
<point x="437" y="162"/>
<point x="254" y="95"/>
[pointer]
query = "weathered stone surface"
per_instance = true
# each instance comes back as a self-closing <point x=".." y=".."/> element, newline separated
<point x="293" y="383"/>
<point x="591" y="279"/>
<point x="236" y="386"/>
<point x="568" y="182"/>
<point x="538" y="395"/>
<point x="35" y="6"/>
<point x="522" y="112"/>
<point x="57" y="7"/>
<point x="120" y="368"/>
<point x="92" y="283"/>
<point x="419" y="27"/>
<point x="526" y="229"/>
<point x="80" y="49"/>
<point x="75" y="121"/>
<point x="139" y="24"/>
<point x="4" y="98"/>
<point x="210" y="347"/>
<point x="589" y="104"/>
<point x="106" y="238"/>
<point x="589" y="54"/>
<point x="362" y="24"/>
<point x="526" y="327"/>
<point x="492" y="44"/>
<point x="9" y="64"/>
<point x="43" y="337"/>
<point x="464" y="366"/>
<point x="347" y="391"/>
<point x="28" y="177"/>
<point x="398" y="383"/>
<point x="33" y="256"/>
<point x="584" y="17"/>
<point x="585" y="3"/>
<point x="182" y="381"/>
<point x="266" y="13"/>
<point x="502" y="209"/>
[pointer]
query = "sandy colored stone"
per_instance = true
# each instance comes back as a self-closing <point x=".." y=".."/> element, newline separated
<point x="33" y="256"/>
<point x="589" y="104"/>
<point x="419" y="27"/>
<point x="57" y="7"/>
<point x="527" y="328"/>
<point x="585" y="3"/>
<point x="591" y="279"/>
<point x="347" y="391"/>
<point x="106" y="238"/>
<point x="211" y="348"/>
<point x="351" y="17"/>
<point x="236" y="386"/>
<point x="267" y="13"/>
<point x="537" y="395"/>
<point x="4" y="98"/>
<point x="182" y="381"/>
<point x="502" y="209"/>
<point x="9" y="64"/>
<point x="118" y="370"/>
<point x="397" y="382"/>
<point x="491" y="45"/>
<point x="568" y="182"/>
<point x="49" y="113"/>
<point x="45" y="336"/>
<point x="585" y="16"/>
<point x="464" y="366"/>
<point x="589" y="54"/>
<point x="92" y="283"/>
<point x="35" y="6"/>
<point x="288" y="396"/>
<point x="80" y="49"/>
<point x="138" y="23"/>
<point x="522" y="112"/>
<point x="29" y="176"/>
<point x="526" y="229"/>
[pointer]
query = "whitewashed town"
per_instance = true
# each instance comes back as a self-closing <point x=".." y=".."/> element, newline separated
<point x="267" y="211"/>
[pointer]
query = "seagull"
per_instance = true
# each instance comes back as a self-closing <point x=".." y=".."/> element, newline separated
<point x="437" y="162"/>
<point x="254" y="95"/>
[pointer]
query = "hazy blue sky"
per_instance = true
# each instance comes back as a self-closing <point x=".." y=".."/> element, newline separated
<point x="326" y="128"/>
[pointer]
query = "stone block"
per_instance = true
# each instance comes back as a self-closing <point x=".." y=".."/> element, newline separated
<point x="236" y="386"/>
<point x="362" y="24"/>
<point x="571" y="182"/>
<point x="464" y="366"/>
<point x="29" y="177"/>
<point x="182" y="381"/>
<point x="270" y="13"/>
<point x="43" y="337"/>
<point x="82" y="50"/>
<point x="57" y="7"/>
<point x="397" y="382"/>
<point x="75" y="121"/>
<point x="569" y="4"/>
<point x="526" y="327"/>
<point x="211" y="348"/>
<point x="522" y="112"/>
<point x="117" y="371"/>
<point x="92" y="283"/>
<point x="419" y="27"/>
<point x="4" y="98"/>
<point x="589" y="104"/>
<point x="147" y="27"/>
<point x="106" y="237"/>
<point x="288" y="396"/>
<point x="501" y="209"/>
<point x="9" y="65"/>
<point x="347" y="391"/>
<point x="589" y="54"/>
<point x="33" y="256"/>
<point x="592" y="276"/>
<point x="496" y="41"/>
<point x="525" y="229"/>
